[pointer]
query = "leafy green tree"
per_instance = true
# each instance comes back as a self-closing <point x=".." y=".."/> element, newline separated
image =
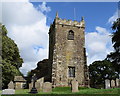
<point x="114" y="57"/>
<point x="11" y="61"/>
<point x="99" y="71"/>
<point x="29" y="78"/>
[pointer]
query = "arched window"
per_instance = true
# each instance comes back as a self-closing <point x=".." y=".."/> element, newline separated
<point x="71" y="72"/>
<point x="70" y="35"/>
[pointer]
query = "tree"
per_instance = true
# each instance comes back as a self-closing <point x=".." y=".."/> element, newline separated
<point x="11" y="60"/>
<point x="42" y="69"/>
<point x="99" y="71"/>
<point x="114" y="57"/>
<point x="28" y="78"/>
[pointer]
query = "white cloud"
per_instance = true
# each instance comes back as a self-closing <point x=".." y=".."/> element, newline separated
<point x="44" y="8"/>
<point x="113" y="18"/>
<point x="27" y="27"/>
<point x="14" y="0"/>
<point x="98" y="44"/>
<point x="20" y="13"/>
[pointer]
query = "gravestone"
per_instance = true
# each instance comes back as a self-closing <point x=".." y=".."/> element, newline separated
<point x="30" y="85"/>
<point x="112" y="83"/>
<point x="40" y="82"/>
<point x="11" y="85"/>
<point x="117" y="82"/>
<point x="107" y="84"/>
<point x="8" y="91"/>
<point x="74" y="85"/>
<point x="47" y="87"/>
<point x="37" y="85"/>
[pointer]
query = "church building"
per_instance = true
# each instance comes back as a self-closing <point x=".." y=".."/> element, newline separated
<point x="67" y="54"/>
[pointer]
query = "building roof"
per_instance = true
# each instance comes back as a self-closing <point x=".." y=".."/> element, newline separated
<point x="19" y="79"/>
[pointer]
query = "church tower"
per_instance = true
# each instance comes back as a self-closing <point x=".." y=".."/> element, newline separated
<point x="67" y="52"/>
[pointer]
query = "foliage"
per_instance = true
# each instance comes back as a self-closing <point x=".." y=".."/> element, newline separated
<point x="42" y="69"/>
<point x="29" y="76"/>
<point x="28" y="79"/>
<point x="114" y="57"/>
<point x="116" y="35"/>
<point x="99" y="71"/>
<point x="11" y="61"/>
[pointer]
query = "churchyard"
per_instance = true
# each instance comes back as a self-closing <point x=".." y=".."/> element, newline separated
<point x="67" y="90"/>
<point x="65" y="71"/>
<point x="46" y="88"/>
<point x="39" y="87"/>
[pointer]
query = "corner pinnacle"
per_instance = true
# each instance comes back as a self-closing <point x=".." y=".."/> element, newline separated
<point x="56" y="14"/>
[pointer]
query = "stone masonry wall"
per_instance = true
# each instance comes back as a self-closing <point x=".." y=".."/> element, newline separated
<point x="64" y="53"/>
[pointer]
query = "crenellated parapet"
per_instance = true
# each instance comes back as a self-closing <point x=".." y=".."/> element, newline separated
<point x="65" y="22"/>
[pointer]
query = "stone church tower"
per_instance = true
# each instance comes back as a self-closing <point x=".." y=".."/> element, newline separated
<point x="67" y="52"/>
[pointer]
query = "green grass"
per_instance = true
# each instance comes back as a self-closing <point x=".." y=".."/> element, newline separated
<point x="22" y="91"/>
<point x="67" y="90"/>
<point x="0" y="91"/>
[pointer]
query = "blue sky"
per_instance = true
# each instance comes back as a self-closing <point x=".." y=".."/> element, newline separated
<point x="28" y="25"/>
<point x="95" y="13"/>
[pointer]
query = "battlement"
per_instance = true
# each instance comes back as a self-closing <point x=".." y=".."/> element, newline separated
<point x="63" y="22"/>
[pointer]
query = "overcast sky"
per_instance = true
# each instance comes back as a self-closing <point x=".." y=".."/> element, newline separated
<point x="28" y="25"/>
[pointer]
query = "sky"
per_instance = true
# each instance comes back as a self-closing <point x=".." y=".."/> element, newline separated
<point x="28" y="25"/>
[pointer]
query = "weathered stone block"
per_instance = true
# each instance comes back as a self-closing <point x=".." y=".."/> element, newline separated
<point x="40" y="83"/>
<point x="117" y="82"/>
<point x="107" y="84"/>
<point x="8" y="91"/>
<point x="11" y="85"/>
<point x="37" y="85"/>
<point x="74" y="86"/>
<point x="47" y="87"/>
<point x="112" y="83"/>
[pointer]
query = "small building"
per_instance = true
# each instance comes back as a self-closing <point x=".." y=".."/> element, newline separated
<point x="19" y="82"/>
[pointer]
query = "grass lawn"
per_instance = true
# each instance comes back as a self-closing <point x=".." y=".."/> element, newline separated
<point x="0" y="91"/>
<point x="67" y="90"/>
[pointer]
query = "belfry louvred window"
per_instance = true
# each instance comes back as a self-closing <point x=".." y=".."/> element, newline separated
<point x="70" y="35"/>
<point x="71" y="71"/>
